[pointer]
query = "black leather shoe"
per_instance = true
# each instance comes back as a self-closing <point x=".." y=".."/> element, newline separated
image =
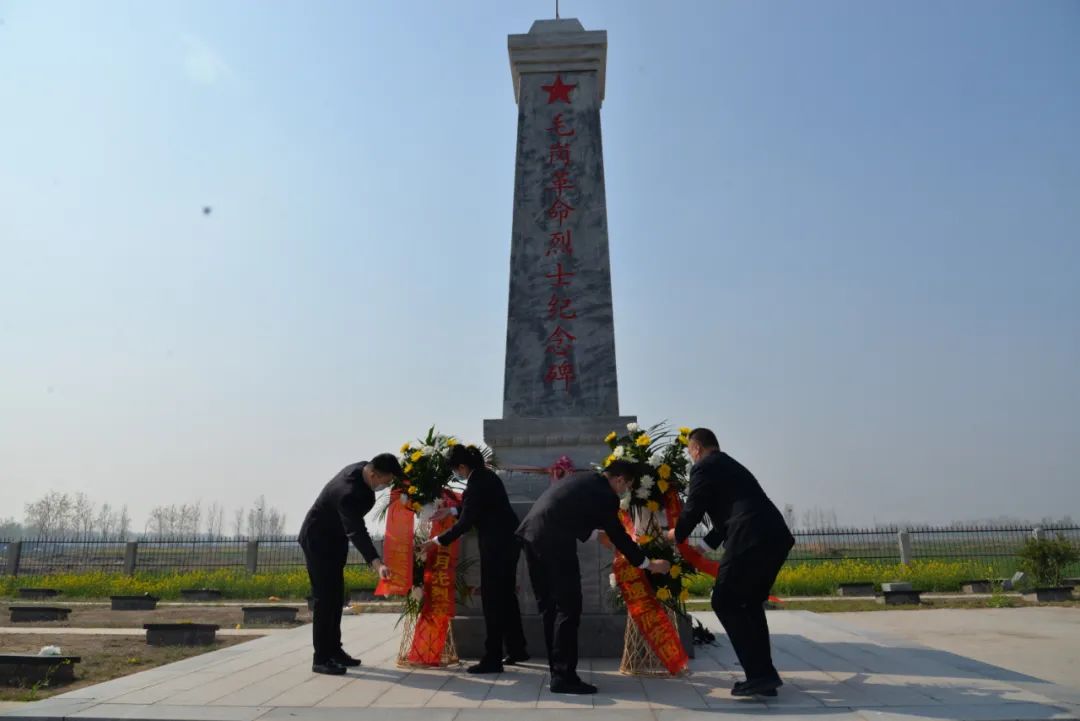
<point x="344" y="659"/>
<point x="572" y="687"/>
<point x="516" y="658"/>
<point x="486" y="667"/>
<point x="760" y="687"/>
<point x="330" y="668"/>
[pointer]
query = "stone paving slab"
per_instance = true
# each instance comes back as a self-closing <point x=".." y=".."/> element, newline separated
<point x="832" y="669"/>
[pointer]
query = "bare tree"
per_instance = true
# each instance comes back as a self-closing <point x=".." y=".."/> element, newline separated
<point x="83" y="515"/>
<point x="789" y="516"/>
<point x="215" y="520"/>
<point x="264" y="520"/>
<point x="817" y="519"/>
<point x="238" y="522"/>
<point x="50" y="515"/>
<point x="123" y="524"/>
<point x="106" y="521"/>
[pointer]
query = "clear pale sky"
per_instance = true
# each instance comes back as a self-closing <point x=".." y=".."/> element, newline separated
<point x="845" y="235"/>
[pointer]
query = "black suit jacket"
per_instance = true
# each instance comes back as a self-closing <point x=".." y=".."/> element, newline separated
<point x="570" y="511"/>
<point x="485" y="505"/>
<point x="337" y="516"/>
<point x="742" y="515"/>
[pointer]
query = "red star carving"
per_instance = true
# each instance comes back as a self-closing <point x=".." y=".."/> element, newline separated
<point x="558" y="90"/>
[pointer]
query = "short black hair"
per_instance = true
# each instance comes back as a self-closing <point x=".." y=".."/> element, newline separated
<point x="705" y="437"/>
<point x="621" y="467"/>
<point x="387" y="463"/>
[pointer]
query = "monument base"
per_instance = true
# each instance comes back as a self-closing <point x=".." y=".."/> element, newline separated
<point x="599" y="636"/>
<point x="540" y="442"/>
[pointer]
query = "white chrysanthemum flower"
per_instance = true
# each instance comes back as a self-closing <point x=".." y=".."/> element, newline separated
<point x="624" y="503"/>
<point x="50" y="651"/>
<point x="633" y="427"/>
<point x="427" y="450"/>
<point x="646" y="482"/>
<point x="619" y="452"/>
<point x="426" y="512"/>
<point x="656" y="459"/>
<point x="417" y="593"/>
<point x="402" y="459"/>
<point x="642" y="493"/>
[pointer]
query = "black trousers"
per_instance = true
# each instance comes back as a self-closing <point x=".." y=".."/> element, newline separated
<point x="556" y="581"/>
<point x="498" y="596"/>
<point x="738" y="598"/>
<point x="327" y="574"/>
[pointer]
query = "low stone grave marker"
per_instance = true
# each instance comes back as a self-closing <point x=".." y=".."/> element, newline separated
<point x="38" y="593"/>
<point x="180" y="634"/>
<point x="32" y="668"/>
<point x="983" y="586"/>
<point x="145" y="602"/>
<point x="24" y="614"/>
<point x="899" y="593"/>
<point x="857" y="589"/>
<point x="200" y="594"/>
<point x="270" y="614"/>
<point x="1049" y="595"/>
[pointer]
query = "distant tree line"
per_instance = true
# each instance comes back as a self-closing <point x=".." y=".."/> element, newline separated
<point x="59" y="515"/>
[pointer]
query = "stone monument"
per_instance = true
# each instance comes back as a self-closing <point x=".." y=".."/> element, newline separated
<point x="560" y="393"/>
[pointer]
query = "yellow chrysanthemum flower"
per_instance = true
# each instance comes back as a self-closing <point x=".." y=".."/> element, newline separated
<point x="408" y="468"/>
<point x="664" y="471"/>
<point x="608" y="460"/>
<point x="416" y="506"/>
<point x="417" y="455"/>
<point x="644" y="538"/>
<point x="684" y="595"/>
<point x="684" y="431"/>
<point x="451" y="442"/>
<point x="643" y="440"/>
<point x="610" y="437"/>
<point x="683" y="441"/>
<point x="676" y="571"/>
<point x="411" y="490"/>
<point x="405" y="447"/>
<point x="663" y="594"/>
<point x="653" y="506"/>
<point x="662" y="485"/>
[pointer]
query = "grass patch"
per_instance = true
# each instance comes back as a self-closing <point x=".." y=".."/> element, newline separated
<point x="103" y="658"/>
<point x="292" y="584"/>
<point x="823" y="578"/>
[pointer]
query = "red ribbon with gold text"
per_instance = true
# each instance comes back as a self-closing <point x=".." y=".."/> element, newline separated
<point x="647" y="612"/>
<point x="397" y="548"/>
<point x="440" y="573"/>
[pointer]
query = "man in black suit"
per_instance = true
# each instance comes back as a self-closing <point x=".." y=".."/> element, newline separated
<point x="336" y="518"/>
<point x="566" y="513"/>
<point x="485" y="505"/>
<point x="756" y="543"/>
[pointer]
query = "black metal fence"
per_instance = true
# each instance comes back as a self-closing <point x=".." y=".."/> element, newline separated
<point x="996" y="546"/>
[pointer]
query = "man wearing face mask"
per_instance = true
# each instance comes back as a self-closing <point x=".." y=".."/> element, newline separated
<point x="563" y="515"/>
<point x="335" y="519"/>
<point x="756" y="543"/>
<point x="485" y="506"/>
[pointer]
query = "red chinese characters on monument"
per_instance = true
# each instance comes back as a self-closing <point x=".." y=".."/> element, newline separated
<point x="559" y="212"/>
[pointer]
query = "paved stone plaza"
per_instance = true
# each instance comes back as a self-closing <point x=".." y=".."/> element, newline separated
<point x="833" y="667"/>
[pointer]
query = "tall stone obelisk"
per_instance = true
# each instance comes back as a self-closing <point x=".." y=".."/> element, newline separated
<point x="560" y="394"/>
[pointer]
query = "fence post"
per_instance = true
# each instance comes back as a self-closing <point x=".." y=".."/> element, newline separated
<point x="252" y="556"/>
<point x="904" y="539"/>
<point x="14" y="555"/>
<point x="131" y="552"/>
